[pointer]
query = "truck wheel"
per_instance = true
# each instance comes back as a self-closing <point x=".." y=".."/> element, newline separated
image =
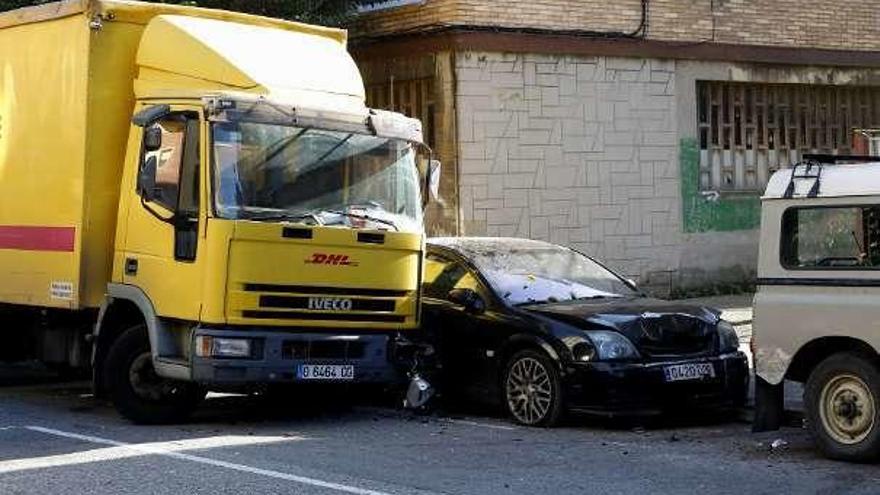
<point x="532" y="389"/>
<point x="841" y="398"/>
<point x="137" y="392"/>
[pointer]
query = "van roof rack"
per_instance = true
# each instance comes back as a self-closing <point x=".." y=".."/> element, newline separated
<point x="836" y="159"/>
<point x="812" y="165"/>
<point x="812" y="169"/>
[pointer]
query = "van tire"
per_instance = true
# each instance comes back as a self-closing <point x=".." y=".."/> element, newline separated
<point x="842" y="402"/>
<point x="137" y="392"/>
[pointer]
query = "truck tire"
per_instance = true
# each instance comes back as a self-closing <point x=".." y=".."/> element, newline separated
<point x="137" y="392"/>
<point x="841" y="399"/>
<point x="532" y="389"/>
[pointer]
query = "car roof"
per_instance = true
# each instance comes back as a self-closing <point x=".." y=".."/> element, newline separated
<point x="861" y="179"/>
<point x="469" y="246"/>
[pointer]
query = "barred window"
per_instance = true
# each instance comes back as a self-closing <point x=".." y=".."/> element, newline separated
<point x="748" y="131"/>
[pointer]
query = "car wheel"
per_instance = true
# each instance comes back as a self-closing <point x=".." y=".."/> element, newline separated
<point x="137" y="392"/>
<point x="532" y="389"/>
<point x="842" y="396"/>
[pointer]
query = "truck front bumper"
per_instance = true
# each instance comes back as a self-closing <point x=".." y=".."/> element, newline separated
<point x="276" y="356"/>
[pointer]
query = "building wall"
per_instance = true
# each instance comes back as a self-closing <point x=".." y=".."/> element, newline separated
<point x="834" y="24"/>
<point x="581" y="151"/>
<point x="600" y="153"/>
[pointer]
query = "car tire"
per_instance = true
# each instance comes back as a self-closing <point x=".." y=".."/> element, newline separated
<point x="137" y="392"/>
<point x="842" y="396"/>
<point x="531" y="389"/>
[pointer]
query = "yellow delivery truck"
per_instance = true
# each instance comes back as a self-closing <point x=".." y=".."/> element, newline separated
<point x="194" y="200"/>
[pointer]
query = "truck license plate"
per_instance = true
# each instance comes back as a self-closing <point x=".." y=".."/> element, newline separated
<point x="325" y="372"/>
<point x="691" y="371"/>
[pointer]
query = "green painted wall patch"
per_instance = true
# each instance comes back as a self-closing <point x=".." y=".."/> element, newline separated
<point x="705" y="215"/>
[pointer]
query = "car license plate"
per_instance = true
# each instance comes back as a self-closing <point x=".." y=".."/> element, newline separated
<point x="325" y="372"/>
<point x="690" y="371"/>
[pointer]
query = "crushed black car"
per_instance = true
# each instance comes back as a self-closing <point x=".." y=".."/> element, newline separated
<point x="544" y="330"/>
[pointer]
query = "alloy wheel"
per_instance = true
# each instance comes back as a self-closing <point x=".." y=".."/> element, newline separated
<point x="529" y="391"/>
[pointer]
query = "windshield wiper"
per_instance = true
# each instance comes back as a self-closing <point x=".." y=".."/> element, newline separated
<point x="364" y="217"/>
<point x="266" y="217"/>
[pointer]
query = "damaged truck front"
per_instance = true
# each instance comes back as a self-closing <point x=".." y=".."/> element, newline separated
<point x="204" y="197"/>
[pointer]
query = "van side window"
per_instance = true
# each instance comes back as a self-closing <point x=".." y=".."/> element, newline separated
<point x="844" y="237"/>
<point x="177" y="163"/>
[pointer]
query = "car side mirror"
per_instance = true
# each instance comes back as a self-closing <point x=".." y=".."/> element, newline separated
<point x="433" y="179"/>
<point x="469" y="299"/>
<point x="632" y="284"/>
<point x="147" y="179"/>
<point x="152" y="139"/>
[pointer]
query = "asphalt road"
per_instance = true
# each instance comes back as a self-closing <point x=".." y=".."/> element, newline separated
<point x="56" y="439"/>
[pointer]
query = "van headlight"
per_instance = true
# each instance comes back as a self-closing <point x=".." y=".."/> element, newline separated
<point x="611" y="346"/>
<point x="728" y="340"/>
<point x="207" y="346"/>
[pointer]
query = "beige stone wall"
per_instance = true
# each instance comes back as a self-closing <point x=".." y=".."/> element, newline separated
<point x="575" y="150"/>
<point x="835" y="24"/>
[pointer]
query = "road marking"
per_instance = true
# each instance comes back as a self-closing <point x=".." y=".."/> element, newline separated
<point x="123" y="451"/>
<point x="164" y="449"/>
<point x="482" y="425"/>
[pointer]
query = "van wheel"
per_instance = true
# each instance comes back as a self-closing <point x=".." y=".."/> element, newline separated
<point x="532" y="389"/>
<point x="137" y="392"/>
<point x="842" y="396"/>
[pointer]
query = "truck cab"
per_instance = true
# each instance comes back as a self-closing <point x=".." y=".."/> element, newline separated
<point x="817" y="308"/>
<point x="219" y="210"/>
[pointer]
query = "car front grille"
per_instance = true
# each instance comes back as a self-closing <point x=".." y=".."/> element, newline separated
<point x="675" y="334"/>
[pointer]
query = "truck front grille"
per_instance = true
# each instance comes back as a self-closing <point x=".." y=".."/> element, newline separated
<point x="322" y="349"/>
<point x="329" y="304"/>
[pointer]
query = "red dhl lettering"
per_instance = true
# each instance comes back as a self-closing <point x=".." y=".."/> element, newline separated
<point x="330" y="259"/>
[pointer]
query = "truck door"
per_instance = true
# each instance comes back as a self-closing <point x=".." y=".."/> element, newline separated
<point x="161" y="254"/>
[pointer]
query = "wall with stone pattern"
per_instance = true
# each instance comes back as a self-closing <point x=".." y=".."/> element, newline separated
<point x="577" y="151"/>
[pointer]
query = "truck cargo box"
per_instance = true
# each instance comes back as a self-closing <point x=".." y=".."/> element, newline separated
<point x="68" y="75"/>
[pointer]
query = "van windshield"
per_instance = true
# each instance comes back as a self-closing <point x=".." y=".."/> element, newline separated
<point x="326" y="177"/>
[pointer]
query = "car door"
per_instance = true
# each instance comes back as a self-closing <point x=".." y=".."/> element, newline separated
<point x="466" y="340"/>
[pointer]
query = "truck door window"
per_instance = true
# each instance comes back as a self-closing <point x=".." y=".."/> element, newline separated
<point x="831" y="238"/>
<point x="177" y="181"/>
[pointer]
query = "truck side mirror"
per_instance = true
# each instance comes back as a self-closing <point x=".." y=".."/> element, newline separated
<point x="152" y="138"/>
<point x="147" y="179"/>
<point x="433" y="179"/>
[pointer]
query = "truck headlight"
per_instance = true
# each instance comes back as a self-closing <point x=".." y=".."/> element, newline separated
<point x="728" y="340"/>
<point x="612" y="346"/>
<point x="207" y="346"/>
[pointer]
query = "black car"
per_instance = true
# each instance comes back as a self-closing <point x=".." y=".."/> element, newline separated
<point x="543" y="330"/>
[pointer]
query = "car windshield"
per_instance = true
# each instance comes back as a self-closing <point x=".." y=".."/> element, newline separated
<point x="299" y="174"/>
<point x="547" y="274"/>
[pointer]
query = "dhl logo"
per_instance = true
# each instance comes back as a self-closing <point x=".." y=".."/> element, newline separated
<point x="330" y="259"/>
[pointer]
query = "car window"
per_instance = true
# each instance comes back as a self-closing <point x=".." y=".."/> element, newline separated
<point x="831" y="238"/>
<point x="442" y="275"/>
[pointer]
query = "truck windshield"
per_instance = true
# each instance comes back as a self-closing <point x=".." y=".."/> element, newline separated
<point x="274" y="172"/>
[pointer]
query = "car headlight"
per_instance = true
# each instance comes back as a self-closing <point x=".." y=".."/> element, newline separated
<point x="612" y="346"/>
<point x="728" y="340"/>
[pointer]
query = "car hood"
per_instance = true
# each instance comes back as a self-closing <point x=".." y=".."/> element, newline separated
<point x="654" y="326"/>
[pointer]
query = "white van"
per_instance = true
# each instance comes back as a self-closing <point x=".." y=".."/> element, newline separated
<point x="817" y="309"/>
